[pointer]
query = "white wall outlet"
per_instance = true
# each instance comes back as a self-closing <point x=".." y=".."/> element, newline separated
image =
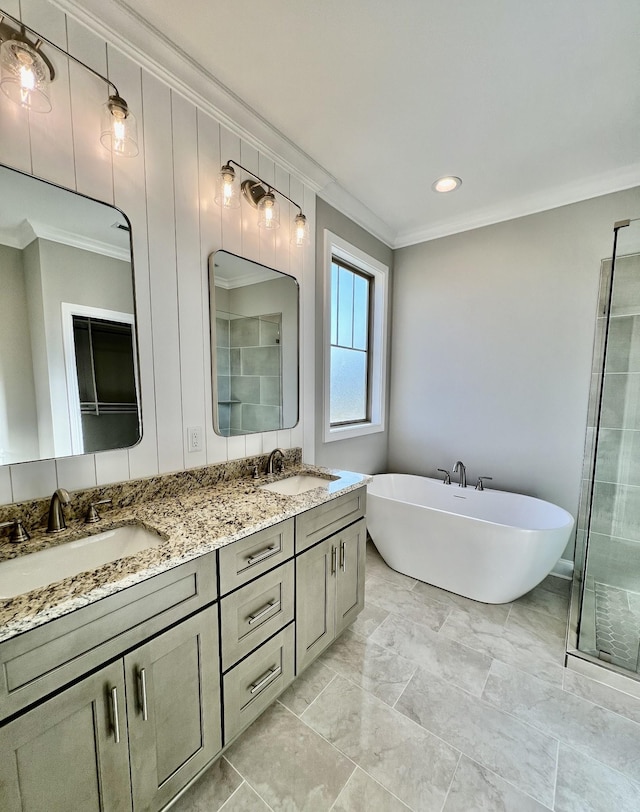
<point x="195" y="438"/>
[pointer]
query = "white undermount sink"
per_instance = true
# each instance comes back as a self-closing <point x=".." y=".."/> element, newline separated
<point x="295" y="485"/>
<point x="27" y="572"/>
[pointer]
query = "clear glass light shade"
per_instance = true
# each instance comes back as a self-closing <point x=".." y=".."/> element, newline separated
<point x="119" y="130"/>
<point x="24" y="75"/>
<point x="300" y="231"/>
<point x="228" y="188"/>
<point x="268" y="211"/>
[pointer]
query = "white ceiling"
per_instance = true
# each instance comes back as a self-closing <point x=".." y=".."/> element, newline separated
<point x="533" y="104"/>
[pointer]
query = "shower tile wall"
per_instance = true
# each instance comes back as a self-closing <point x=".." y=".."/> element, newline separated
<point x="249" y="388"/>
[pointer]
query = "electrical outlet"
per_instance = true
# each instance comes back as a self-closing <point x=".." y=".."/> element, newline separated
<point x="195" y="438"/>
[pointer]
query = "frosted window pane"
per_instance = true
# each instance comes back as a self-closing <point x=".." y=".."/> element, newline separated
<point x="345" y="307"/>
<point x="360" y="312"/>
<point x="348" y="385"/>
<point x="334" y="303"/>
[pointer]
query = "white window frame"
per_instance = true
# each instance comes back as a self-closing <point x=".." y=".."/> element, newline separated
<point x="335" y="246"/>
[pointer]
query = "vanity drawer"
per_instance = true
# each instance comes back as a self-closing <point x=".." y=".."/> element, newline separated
<point x="250" y="615"/>
<point x="254" y="683"/>
<point x="50" y="656"/>
<point x="247" y="558"/>
<point x="320" y="522"/>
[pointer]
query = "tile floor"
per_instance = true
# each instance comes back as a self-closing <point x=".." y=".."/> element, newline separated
<point x="434" y="703"/>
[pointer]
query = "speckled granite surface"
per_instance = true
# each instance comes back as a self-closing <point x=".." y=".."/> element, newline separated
<point x="194" y="512"/>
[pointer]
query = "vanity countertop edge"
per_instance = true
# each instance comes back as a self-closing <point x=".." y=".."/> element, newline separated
<point x="191" y="524"/>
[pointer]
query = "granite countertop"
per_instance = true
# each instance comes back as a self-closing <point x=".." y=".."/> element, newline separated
<point x="191" y="522"/>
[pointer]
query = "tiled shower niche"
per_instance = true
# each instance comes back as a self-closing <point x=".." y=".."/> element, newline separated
<point x="249" y="357"/>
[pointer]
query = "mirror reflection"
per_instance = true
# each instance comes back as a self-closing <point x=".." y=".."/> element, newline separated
<point x="254" y="317"/>
<point x="68" y="358"/>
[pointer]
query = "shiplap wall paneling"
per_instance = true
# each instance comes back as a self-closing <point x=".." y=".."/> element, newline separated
<point x="129" y="182"/>
<point x="51" y="134"/>
<point x="93" y="163"/>
<point x="192" y="332"/>
<point x="231" y="218"/>
<point x="162" y="260"/>
<point x="250" y="248"/>
<point x="306" y="428"/>
<point x="210" y="220"/>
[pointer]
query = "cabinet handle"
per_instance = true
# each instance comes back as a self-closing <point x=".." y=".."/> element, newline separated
<point x="343" y="557"/>
<point x="264" y="681"/>
<point x="255" y="618"/>
<point x="267" y="553"/>
<point x="142" y="676"/>
<point x="115" y="724"/>
<point x="334" y="557"/>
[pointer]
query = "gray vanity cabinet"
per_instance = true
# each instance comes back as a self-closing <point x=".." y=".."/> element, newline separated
<point x="71" y="752"/>
<point x="88" y="748"/>
<point x="173" y="708"/>
<point x="329" y="590"/>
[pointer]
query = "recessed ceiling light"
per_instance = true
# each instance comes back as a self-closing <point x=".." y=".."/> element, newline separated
<point x="447" y="184"/>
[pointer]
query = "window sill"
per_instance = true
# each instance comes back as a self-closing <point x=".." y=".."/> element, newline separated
<point x="349" y="431"/>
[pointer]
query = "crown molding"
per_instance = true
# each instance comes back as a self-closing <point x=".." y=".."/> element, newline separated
<point x="46" y="232"/>
<point x="150" y="48"/>
<point x="617" y="181"/>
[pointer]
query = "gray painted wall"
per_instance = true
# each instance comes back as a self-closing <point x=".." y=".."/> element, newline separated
<point x="492" y="344"/>
<point x="366" y="454"/>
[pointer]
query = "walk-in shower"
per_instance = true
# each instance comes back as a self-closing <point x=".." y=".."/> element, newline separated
<point x="606" y="605"/>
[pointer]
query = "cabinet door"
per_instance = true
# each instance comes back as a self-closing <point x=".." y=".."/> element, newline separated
<point x="351" y="545"/>
<point x="71" y="752"/>
<point x="315" y="601"/>
<point x="173" y="705"/>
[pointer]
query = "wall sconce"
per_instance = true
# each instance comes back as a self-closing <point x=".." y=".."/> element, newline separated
<point x="25" y="75"/>
<point x="260" y="195"/>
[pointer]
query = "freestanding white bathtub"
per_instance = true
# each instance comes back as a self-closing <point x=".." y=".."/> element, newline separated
<point x="491" y="546"/>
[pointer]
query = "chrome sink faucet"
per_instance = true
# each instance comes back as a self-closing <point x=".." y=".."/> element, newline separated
<point x="273" y="465"/>
<point x="56" y="514"/>
<point x="459" y="468"/>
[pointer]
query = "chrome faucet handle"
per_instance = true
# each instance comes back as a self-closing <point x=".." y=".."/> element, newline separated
<point x="92" y="514"/>
<point x="18" y="532"/>
<point x="447" y="476"/>
<point x="479" y="483"/>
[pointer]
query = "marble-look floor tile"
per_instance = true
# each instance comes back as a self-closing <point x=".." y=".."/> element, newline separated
<point x="454" y="662"/>
<point x="545" y="601"/>
<point x="363" y="794"/>
<point x="306" y="687"/>
<point x="478" y="789"/>
<point x="546" y="628"/>
<point x="288" y="765"/>
<point x="616" y="701"/>
<point x="244" y="799"/>
<point x="512" y="643"/>
<point x="377" y="568"/>
<point x="589" y="728"/>
<point x="406" y="603"/>
<point x="495" y="612"/>
<point x="211" y="790"/>
<point x="515" y="751"/>
<point x="587" y="785"/>
<point x="369" y="619"/>
<point x="555" y="584"/>
<point x="374" y="668"/>
<point x="410" y="762"/>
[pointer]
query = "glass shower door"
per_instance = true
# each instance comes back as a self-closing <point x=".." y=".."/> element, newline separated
<point x="609" y="525"/>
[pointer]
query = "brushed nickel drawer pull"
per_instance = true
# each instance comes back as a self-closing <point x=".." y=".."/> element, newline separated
<point x="255" y="559"/>
<point x="264" y="681"/>
<point x="334" y="557"/>
<point x="343" y="557"/>
<point x="142" y="674"/>
<point x="115" y="723"/>
<point x="255" y="618"/>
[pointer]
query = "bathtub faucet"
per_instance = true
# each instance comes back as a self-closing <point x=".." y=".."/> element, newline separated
<point x="459" y="468"/>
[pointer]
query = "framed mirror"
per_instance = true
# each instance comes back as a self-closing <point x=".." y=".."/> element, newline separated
<point x="254" y="346"/>
<point x="68" y="355"/>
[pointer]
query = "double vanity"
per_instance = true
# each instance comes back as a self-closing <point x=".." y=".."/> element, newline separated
<point x="121" y="684"/>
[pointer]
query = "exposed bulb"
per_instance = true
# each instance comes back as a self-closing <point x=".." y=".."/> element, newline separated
<point x="227" y="193"/>
<point x="119" y="132"/>
<point x="269" y="211"/>
<point x="300" y="231"/>
<point x="25" y="75"/>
